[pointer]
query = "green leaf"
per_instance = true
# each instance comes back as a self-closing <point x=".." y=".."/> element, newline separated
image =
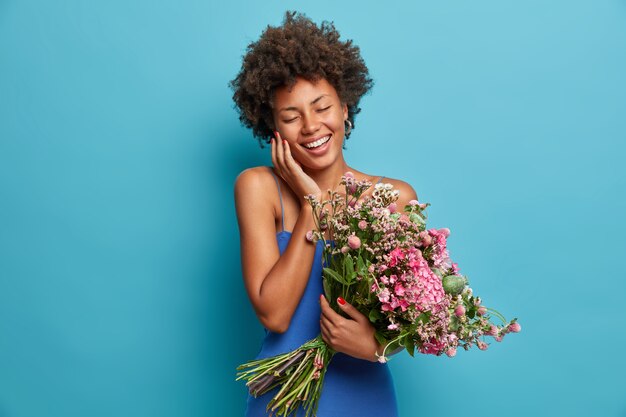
<point x="327" y="292"/>
<point x="408" y="344"/>
<point x="349" y="268"/>
<point x="454" y="323"/>
<point x="360" y="266"/>
<point x="329" y="273"/>
<point x="424" y="317"/>
<point x="380" y="338"/>
<point x="374" y="315"/>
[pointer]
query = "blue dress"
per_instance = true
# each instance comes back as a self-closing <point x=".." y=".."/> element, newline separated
<point x="352" y="387"/>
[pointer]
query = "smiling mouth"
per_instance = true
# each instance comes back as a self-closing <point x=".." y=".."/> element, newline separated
<point x="317" y="143"/>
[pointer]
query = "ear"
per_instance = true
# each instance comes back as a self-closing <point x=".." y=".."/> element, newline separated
<point x="344" y="108"/>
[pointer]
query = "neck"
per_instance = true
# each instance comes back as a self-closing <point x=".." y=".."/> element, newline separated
<point x="328" y="178"/>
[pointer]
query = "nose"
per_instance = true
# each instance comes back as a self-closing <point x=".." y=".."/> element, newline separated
<point x="310" y="124"/>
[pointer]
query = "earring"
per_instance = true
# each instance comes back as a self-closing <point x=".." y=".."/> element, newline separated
<point x="349" y="127"/>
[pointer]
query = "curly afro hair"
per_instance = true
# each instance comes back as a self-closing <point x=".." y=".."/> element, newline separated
<point x="297" y="48"/>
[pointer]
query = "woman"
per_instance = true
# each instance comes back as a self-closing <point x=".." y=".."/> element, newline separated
<point x="299" y="89"/>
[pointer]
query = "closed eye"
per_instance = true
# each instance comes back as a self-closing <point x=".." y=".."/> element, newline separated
<point x="324" y="109"/>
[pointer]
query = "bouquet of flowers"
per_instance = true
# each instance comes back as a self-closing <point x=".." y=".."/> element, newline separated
<point x="394" y="271"/>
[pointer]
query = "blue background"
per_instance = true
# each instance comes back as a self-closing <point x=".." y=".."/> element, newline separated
<point x="120" y="283"/>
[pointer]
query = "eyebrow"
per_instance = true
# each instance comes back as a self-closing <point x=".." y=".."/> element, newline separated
<point x="313" y="102"/>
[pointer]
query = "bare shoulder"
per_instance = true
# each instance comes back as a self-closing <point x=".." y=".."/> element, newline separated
<point x="251" y="191"/>
<point x="407" y="193"/>
<point x="253" y="178"/>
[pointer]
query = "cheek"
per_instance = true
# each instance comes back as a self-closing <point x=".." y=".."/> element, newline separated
<point x="288" y="133"/>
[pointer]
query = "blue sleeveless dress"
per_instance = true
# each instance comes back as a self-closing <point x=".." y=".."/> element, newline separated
<point x="352" y="387"/>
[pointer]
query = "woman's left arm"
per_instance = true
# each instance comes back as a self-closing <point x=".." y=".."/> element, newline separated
<point x="355" y="336"/>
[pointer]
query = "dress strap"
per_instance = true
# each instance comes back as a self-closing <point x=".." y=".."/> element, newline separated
<point x="381" y="178"/>
<point x="280" y="196"/>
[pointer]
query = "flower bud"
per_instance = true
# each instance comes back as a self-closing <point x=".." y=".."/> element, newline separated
<point x="451" y="352"/>
<point x="348" y="174"/>
<point x="515" y="327"/>
<point x="459" y="311"/>
<point x="445" y="231"/>
<point x="354" y="242"/>
<point x="362" y="225"/>
<point x="482" y="310"/>
<point x="482" y="345"/>
<point x="498" y="338"/>
<point x="393" y="207"/>
<point x="310" y="236"/>
<point x="413" y="203"/>
<point x="345" y="250"/>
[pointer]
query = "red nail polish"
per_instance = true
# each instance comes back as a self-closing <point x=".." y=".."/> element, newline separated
<point x="341" y="301"/>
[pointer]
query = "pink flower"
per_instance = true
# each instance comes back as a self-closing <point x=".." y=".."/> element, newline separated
<point x="498" y="338"/>
<point x="515" y="327"/>
<point x="413" y="202"/>
<point x="354" y="242"/>
<point x="384" y="295"/>
<point x="482" y="345"/>
<point x="399" y="289"/>
<point x="393" y="326"/>
<point x="445" y="231"/>
<point x="451" y="352"/>
<point x="433" y="346"/>
<point x="348" y="174"/>
<point x="493" y="331"/>
<point x="482" y="310"/>
<point x="345" y="250"/>
<point x="459" y="311"/>
<point x="362" y="225"/>
<point x="310" y="236"/>
<point x="425" y="238"/>
<point x="393" y="207"/>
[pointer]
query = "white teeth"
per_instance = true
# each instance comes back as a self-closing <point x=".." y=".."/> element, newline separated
<point x="318" y="142"/>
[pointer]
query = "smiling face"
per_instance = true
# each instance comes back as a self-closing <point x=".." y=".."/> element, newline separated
<point x="311" y="118"/>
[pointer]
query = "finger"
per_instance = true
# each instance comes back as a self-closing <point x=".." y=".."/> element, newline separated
<point x="280" y="153"/>
<point x="327" y="325"/>
<point x="292" y="163"/>
<point x="351" y="311"/>
<point x="325" y="331"/>
<point x="327" y="311"/>
<point x="273" y="144"/>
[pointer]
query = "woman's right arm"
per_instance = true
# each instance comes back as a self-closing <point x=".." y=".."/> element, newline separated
<point x="274" y="283"/>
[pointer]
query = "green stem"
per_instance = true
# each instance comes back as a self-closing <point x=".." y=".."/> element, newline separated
<point x="500" y="316"/>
